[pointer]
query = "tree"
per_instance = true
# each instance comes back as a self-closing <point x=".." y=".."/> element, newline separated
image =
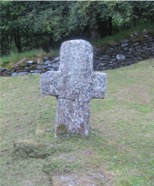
<point x="142" y="12"/>
<point x="42" y="24"/>
<point x="97" y="17"/>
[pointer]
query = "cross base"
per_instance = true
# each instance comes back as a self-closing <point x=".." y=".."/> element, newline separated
<point x="71" y="118"/>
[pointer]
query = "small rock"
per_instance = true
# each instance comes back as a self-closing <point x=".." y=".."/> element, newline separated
<point x="104" y="57"/>
<point x="45" y="59"/>
<point x="125" y="48"/>
<point x="30" y="62"/>
<point x="120" y="57"/>
<point x="19" y="73"/>
<point x="14" y="74"/>
<point x="3" y="69"/>
<point x="124" y="44"/>
<point x="54" y="65"/>
<point x="35" y="71"/>
<point x="40" y="67"/>
<point x="56" y="59"/>
<point x="22" y="73"/>
<point x="39" y="61"/>
<point x="48" y="62"/>
<point x="50" y="69"/>
<point x="56" y="68"/>
<point x="131" y="49"/>
<point x="137" y="43"/>
<point x="125" y="41"/>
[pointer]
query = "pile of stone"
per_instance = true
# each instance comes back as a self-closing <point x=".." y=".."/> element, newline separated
<point x="125" y="53"/>
<point x="121" y="54"/>
<point x="32" y="67"/>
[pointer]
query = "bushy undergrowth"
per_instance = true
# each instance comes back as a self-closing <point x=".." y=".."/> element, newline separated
<point x="14" y="57"/>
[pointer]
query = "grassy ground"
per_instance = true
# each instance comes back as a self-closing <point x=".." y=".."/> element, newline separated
<point x="118" y="152"/>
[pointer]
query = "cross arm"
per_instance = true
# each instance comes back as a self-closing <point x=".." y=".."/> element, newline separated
<point x="99" y="85"/>
<point x="50" y="83"/>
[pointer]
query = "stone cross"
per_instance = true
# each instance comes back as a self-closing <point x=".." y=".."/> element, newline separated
<point x="74" y="85"/>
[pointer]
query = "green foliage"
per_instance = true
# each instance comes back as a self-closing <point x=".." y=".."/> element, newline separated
<point x="42" y="24"/>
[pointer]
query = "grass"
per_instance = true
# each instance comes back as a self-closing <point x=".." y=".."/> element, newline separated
<point x="111" y="40"/>
<point x="118" y="152"/>
<point x="14" y="57"/>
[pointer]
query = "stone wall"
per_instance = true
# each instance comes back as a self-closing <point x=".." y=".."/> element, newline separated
<point x="125" y="53"/>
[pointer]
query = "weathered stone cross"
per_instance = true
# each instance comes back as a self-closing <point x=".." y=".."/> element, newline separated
<point x="74" y="85"/>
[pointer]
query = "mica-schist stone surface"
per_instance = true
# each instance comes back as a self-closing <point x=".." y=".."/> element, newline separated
<point x="74" y="85"/>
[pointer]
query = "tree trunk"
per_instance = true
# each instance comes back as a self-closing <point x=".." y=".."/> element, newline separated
<point x="4" y="45"/>
<point x="94" y="33"/>
<point x="17" y="40"/>
<point x="110" y="25"/>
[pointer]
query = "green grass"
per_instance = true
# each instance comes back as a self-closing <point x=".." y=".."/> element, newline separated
<point x="119" y="150"/>
<point x="14" y="57"/>
<point x="115" y="38"/>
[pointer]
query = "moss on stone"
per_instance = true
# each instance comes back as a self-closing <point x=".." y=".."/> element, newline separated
<point x="62" y="130"/>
